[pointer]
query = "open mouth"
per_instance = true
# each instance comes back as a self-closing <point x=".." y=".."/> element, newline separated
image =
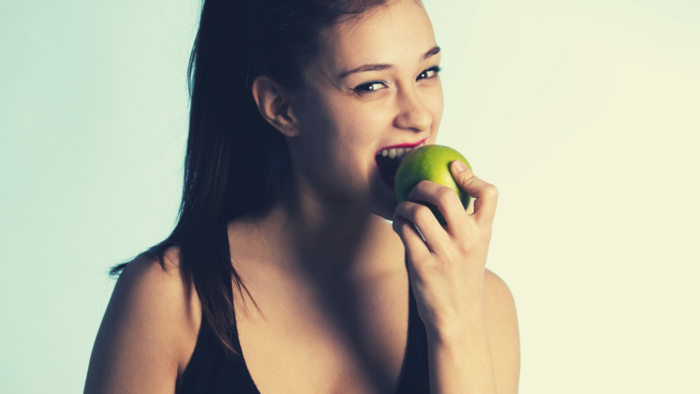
<point x="388" y="160"/>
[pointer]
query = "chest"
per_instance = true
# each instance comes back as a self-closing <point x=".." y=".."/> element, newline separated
<point x="306" y="339"/>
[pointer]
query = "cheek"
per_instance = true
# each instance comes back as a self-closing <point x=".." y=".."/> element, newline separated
<point x="354" y="130"/>
<point x="336" y="137"/>
<point x="355" y="126"/>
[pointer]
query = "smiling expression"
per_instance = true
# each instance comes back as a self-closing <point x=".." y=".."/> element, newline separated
<point x="375" y="85"/>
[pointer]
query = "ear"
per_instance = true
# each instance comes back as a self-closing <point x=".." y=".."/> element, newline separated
<point x="274" y="104"/>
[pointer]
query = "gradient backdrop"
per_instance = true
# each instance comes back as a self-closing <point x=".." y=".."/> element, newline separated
<point x="584" y="113"/>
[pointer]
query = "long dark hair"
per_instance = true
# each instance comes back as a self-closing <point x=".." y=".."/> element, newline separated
<point x="236" y="163"/>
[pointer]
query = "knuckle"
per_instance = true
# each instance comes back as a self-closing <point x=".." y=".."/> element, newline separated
<point x="491" y="191"/>
<point x="422" y="264"/>
<point x="446" y="195"/>
<point x="468" y="177"/>
<point x="421" y="213"/>
<point x="421" y="260"/>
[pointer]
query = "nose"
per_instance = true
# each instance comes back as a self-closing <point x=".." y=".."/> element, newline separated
<point x="413" y="114"/>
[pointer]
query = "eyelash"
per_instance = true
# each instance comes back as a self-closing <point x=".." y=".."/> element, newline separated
<point x="359" y="89"/>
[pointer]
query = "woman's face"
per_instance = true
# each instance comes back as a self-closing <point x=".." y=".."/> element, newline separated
<point x="374" y="86"/>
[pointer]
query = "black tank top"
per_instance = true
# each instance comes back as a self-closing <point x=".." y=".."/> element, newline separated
<point x="212" y="371"/>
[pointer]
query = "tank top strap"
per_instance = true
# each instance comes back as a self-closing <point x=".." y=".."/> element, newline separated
<point x="214" y="370"/>
<point x="414" y="377"/>
<point x="239" y="358"/>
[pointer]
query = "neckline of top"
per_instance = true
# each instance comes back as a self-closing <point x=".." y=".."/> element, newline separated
<point x="412" y="315"/>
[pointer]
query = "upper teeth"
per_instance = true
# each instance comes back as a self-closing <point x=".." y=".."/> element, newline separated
<point x="400" y="152"/>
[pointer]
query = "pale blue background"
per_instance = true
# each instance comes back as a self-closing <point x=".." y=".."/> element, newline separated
<point x="584" y="113"/>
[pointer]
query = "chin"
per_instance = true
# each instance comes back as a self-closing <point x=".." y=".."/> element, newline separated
<point x="383" y="200"/>
<point x="384" y="208"/>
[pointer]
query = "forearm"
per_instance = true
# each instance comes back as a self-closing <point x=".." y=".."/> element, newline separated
<point x="460" y="358"/>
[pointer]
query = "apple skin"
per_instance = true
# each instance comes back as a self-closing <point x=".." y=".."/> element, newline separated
<point x="432" y="163"/>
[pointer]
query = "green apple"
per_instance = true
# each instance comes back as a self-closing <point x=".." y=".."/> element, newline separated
<point x="432" y="163"/>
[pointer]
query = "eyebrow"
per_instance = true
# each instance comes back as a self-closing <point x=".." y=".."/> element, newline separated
<point x="378" y="67"/>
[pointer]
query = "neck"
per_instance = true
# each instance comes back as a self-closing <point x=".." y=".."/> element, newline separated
<point x="328" y="241"/>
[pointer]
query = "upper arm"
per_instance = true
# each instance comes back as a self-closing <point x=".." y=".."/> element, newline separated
<point x="139" y="346"/>
<point x="502" y="328"/>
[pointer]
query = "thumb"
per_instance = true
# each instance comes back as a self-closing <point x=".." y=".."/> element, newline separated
<point x="485" y="193"/>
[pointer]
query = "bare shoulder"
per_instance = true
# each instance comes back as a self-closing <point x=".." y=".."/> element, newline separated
<point x="148" y="331"/>
<point x="502" y="328"/>
<point x="496" y="291"/>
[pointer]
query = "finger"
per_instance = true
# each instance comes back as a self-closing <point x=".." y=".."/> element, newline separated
<point x="412" y="241"/>
<point x="446" y="200"/>
<point x="420" y="215"/>
<point x="486" y="194"/>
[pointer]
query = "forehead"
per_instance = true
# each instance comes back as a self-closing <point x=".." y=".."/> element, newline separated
<point x="398" y="33"/>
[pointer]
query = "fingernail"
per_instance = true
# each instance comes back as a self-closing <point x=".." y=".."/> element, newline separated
<point x="459" y="165"/>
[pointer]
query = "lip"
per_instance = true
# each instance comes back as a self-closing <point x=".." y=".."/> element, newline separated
<point x="389" y="181"/>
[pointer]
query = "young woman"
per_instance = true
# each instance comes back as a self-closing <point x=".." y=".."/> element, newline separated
<point x="291" y="102"/>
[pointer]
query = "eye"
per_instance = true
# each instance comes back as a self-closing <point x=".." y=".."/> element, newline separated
<point x="432" y="72"/>
<point x="369" y="87"/>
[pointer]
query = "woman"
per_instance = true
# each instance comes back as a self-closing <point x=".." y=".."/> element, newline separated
<point x="291" y="101"/>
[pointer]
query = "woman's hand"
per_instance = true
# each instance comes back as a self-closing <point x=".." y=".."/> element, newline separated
<point x="447" y="269"/>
